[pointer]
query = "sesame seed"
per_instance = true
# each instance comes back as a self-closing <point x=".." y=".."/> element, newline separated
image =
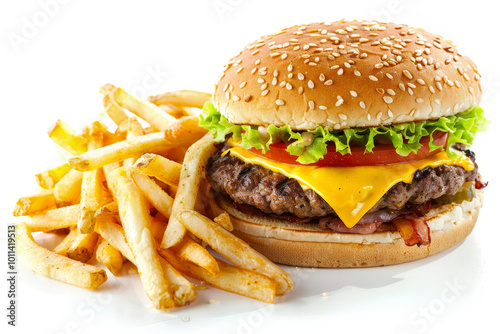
<point x="391" y="92"/>
<point x="379" y="65"/>
<point x="290" y="75"/>
<point x="362" y="104"/>
<point x="389" y="76"/>
<point x="421" y="81"/>
<point x="401" y="86"/>
<point x="339" y="102"/>
<point x="243" y="84"/>
<point x="235" y="98"/>
<point x="328" y="82"/>
<point x="353" y="93"/>
<point x="254" y="70"/>
<point x="368" y="116"/>
<point x="255" y="52"/>
<point x="373" y="78"/>
<point x="407" y="74"/>
<point x="264" y="86"/>
<point x="280" y="102"/>
<point x="301" y="90"/>
<point x="322" y="77"/>
<point x="310" y="84"/>
<point x="437" y="101"/>
<point x="357" y="73"/>
<point x="380" y="90"/>
<point x="260" y="80"/>
<point x="300" y="76"/>
<point x="288" y="86"/>
<point x="387" y="99"/>
<point x="311" y="104"/>
<point x="322" y="107"/>
<point x="239" y="70"/>
<point x="432" y="90"/>
<point x="379" y="115"/>
<point x="389" y="112"/>
<point x="347" y="65"/>
<point x="411" y="85"/>
<point x="439" y="86"/>
<point x="340" y="71"/>
<point x="290" y="68"/>
<point x="257" y="62"/>
<point x="284" y="55"/>
<point x="410" y="91"/>
<point x="471" y="90"/>
<point x="275" y="73"/>
<point x="419" y="100"/>
<point x="265" y="92"/>
<point x="342" y="116"/>
<point x="228" y="96"/>
<point x="274" y="82"/>
<point x="226" y="86"/>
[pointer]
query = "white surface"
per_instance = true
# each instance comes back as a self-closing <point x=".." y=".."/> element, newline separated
<point x="152" y="46"/>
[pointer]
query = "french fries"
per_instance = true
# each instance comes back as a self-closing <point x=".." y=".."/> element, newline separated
<point x="179" y="132"/>
<point x="35" y="203"/>
<point x="234" y="249"/>
<point x="63" y="135"/>
<point x="149" y="112"/>
<point x="83" y="246"/>
<point x="92" y="193"/>
<point x="140" y="195"/>
<point x="230" y="278"/>
<point x="68" y="189"/>
<point x="110" y="257"/>
<point x="53" y="219"/>
<point x="49" y="178"/>
<point x="163" y="169"/>
<point x="134" y="215"/>
<point x="187" y="192"/>
<point x="183" y="98"/>
<point x="55" y="266"/>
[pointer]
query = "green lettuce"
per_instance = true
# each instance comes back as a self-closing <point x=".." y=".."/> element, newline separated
<point x="405" y="137"/>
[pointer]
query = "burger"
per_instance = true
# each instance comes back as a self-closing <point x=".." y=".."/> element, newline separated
<point x="346" y="144"/>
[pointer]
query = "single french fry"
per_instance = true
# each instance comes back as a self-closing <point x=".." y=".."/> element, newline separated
<point x="157" y="228"/>
<point x="180" y="132"/>
<point x="110" y="257"/>
<point x="183" y="290"/>
<point x="114" y="111"/>
<point x="183" y="98"/>
<point x="33" y="204"/>
<point x="64" y="245"/>
<point x="149" y="112"/>
<point x="63" y="135"/>
<point x="134" y="215"/>
<point x="187" y="192"/>
<point x="53" y="219"/>
<point x="68" y="189"/>
<point x="113" y="233"/>
<point x="83" y="246"/>
<point x="92" y="191"/>
<point x="189" y="250"/>
<point x="234" y="249"/>
<point x="163" y="169"/>
<point x="49" y="178"/>
<point x="154" y="194"/>
<point x="52" y="265"/>
<point x="224" y="220"/>
<point x="230" y="278"/>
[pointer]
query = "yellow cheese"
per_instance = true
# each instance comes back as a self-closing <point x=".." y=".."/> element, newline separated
<point x="351" y="191"/>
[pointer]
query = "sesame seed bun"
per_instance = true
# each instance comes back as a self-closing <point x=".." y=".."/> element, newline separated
<point x="309" y="245"/>
<point x="346" y="74"/>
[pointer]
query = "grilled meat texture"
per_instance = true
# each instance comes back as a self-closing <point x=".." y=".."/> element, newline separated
<point x="273" y="192"/>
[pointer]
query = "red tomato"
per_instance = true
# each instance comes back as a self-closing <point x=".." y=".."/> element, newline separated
<point x="381" y="154"/>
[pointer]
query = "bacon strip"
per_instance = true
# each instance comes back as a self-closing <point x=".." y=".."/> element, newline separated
<point x="413" y="230"/>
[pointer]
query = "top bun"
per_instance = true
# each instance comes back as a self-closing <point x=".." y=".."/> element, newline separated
<point x="346" y="74"/>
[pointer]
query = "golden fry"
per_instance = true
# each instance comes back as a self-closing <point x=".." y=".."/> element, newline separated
<point x="83" y="246"/>
<point x="187" y="192"/>
<point x="63" y="135"/>
<point x="180" y="132"/>
<point x="54" y="219"/>
<point x="64" y="245"/>
<point x="68" y="189"/>
<point x="134" y="215"/>
<point x="49" y="178"/>
<point x="52" y="265"/>
<point x="183" y="98"/>
<point x="33" y="204"/>
<point x="114" y="111"/>
<point x="110" y="257"/>
<point x="163" y="169"/>
<point x="153" y="192"/>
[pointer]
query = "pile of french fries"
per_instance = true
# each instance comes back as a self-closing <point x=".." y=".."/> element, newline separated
<point x="138" y="194"/>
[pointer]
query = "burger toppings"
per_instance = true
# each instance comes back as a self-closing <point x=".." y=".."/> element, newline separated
<point x="407" y="139"/>
<point x="413" y="230"/>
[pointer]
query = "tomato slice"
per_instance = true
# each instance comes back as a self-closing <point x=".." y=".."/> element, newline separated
<point x="381" y="155"/>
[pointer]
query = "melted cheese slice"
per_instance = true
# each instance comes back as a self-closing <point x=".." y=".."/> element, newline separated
<point x="351" y="191"/>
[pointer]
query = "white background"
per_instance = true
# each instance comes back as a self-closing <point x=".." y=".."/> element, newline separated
<point x="56" y="55"/>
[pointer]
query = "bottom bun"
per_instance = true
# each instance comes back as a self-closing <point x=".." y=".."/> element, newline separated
<point x="309" y="245"/>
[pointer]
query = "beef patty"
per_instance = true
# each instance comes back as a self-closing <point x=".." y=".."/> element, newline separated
<point x="273" y="192"/>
